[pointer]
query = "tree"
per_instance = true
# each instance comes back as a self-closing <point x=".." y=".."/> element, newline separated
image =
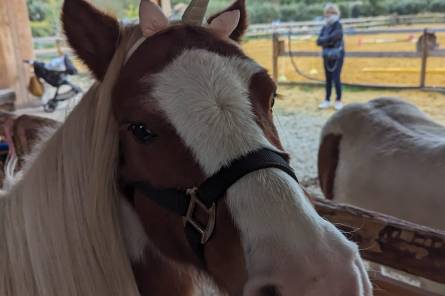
<point x="376" y="7"/>
<point x="37" y="9"/>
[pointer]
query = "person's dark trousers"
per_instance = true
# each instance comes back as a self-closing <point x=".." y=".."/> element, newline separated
<point x="332" y="71"/>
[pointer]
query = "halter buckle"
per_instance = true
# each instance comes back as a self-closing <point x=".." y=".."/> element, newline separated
<point x="206" y="230"/>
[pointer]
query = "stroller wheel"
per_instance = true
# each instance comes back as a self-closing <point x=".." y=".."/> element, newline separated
<point x="50" y="106"/>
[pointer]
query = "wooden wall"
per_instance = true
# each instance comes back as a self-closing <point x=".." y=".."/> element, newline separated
<point x="15" y="46"/>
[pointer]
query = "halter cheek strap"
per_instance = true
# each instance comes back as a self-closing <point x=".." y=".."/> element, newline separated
<point x="205" y="197"/>
<point x="135" y="46"/>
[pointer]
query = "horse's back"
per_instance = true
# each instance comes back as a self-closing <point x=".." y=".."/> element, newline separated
<point x="391" y="158"/>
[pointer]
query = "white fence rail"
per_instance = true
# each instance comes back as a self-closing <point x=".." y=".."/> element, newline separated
<point x="348" y="24"/>
<point x="367" y="25"/>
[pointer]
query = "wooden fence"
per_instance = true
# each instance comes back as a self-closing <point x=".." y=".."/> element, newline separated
<point x="45" y="47"/>
<point x="349" y="25"/>
<point x="279" y="50"/>
<point x="382" y="239"/>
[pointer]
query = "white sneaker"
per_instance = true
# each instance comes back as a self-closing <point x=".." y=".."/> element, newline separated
<point x="338" y="105"/>
<point x="324" y="105"/>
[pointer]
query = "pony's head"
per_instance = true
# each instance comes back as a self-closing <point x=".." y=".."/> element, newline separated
<point x="190" y="104"/>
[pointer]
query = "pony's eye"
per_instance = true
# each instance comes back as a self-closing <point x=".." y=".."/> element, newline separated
<point x="272" y="101"/>
<point x="141" y="133"/>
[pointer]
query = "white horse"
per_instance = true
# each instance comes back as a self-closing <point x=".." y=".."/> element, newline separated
<point x="387" y="156"/>
<point x="115" y="201"/>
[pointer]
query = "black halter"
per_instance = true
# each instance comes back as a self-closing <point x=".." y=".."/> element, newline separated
<point x="206" y="196"/>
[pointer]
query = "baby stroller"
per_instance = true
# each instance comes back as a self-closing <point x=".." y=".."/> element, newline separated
<point x="55" y="73"/>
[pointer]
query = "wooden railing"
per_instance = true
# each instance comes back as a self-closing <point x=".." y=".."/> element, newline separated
<point x="50" y="46"/>
<point x="279" y="50"/>
<point x="350" y="25"/>
<point x="297" y="28"/>
<point x="382" y="239"/>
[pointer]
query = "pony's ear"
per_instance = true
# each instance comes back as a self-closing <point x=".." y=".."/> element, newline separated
<point x="151" y="18"/>
<point x="222" y="17"/>
<point x="91" y="33"/>
<point x="224" y="24"/>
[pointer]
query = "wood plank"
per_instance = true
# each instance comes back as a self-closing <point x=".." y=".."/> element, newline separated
<point x="392" y="242"/>
<point x="351" y="25"/>
<point x="402" y="70"/>
<point x="275" y="55"/>
<point x="424" y="60"/>
<point x="15" y="46"/>
<point x="384" y="286"/>
<point x="368" y="54"/>
<point x="358" y="54"/>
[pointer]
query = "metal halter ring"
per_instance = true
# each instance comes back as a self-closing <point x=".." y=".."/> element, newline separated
<point x="205" y="230"/>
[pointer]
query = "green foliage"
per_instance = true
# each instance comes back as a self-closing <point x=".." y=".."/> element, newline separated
<point x="361" y="9"/>
<point x="292" y="12"/>
<point x="437" y="6"/>
<point x="44" y="14"/>
<point x="377" y="7"/>
<point x="263" y="13"/>
<point x="132" y="11"/>
<point x="38" y="10"/>
<point x="407" y="6"/>
<point x="42" y="29"/>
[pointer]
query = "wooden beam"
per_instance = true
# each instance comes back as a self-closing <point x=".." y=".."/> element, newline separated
<point x="389" y="241"/>
<point x="368" y="54"/>
<point x="402" y="70"/>
<point x="15" y="46"/>
<point x="275" y="55"/>
<point x="424" y="61"/>
<point x="358" y="54"/>
<point x="384" y="286"/>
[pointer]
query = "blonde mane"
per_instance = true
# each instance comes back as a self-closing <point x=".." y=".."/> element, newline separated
<point x="59" y="224"/>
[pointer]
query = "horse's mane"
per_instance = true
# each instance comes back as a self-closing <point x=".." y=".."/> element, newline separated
<point x="59" y="223"/>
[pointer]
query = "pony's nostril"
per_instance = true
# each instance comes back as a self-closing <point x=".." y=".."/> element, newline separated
<point x="269" y="290"/>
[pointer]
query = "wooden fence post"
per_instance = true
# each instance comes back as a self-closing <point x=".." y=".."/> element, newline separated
<point x="15" y="46"/>
<point x="275" y="53"/>
<point x="424" y="58"/>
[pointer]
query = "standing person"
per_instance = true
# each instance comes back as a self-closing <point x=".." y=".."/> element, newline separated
<point x="331" y="41"/>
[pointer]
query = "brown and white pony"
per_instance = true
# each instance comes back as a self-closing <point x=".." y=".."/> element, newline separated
<point x="173" y="104"/>
<point x="388" y="156"/>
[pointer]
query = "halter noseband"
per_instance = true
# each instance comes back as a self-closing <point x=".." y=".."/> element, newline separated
<point x="206" y="196"/>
